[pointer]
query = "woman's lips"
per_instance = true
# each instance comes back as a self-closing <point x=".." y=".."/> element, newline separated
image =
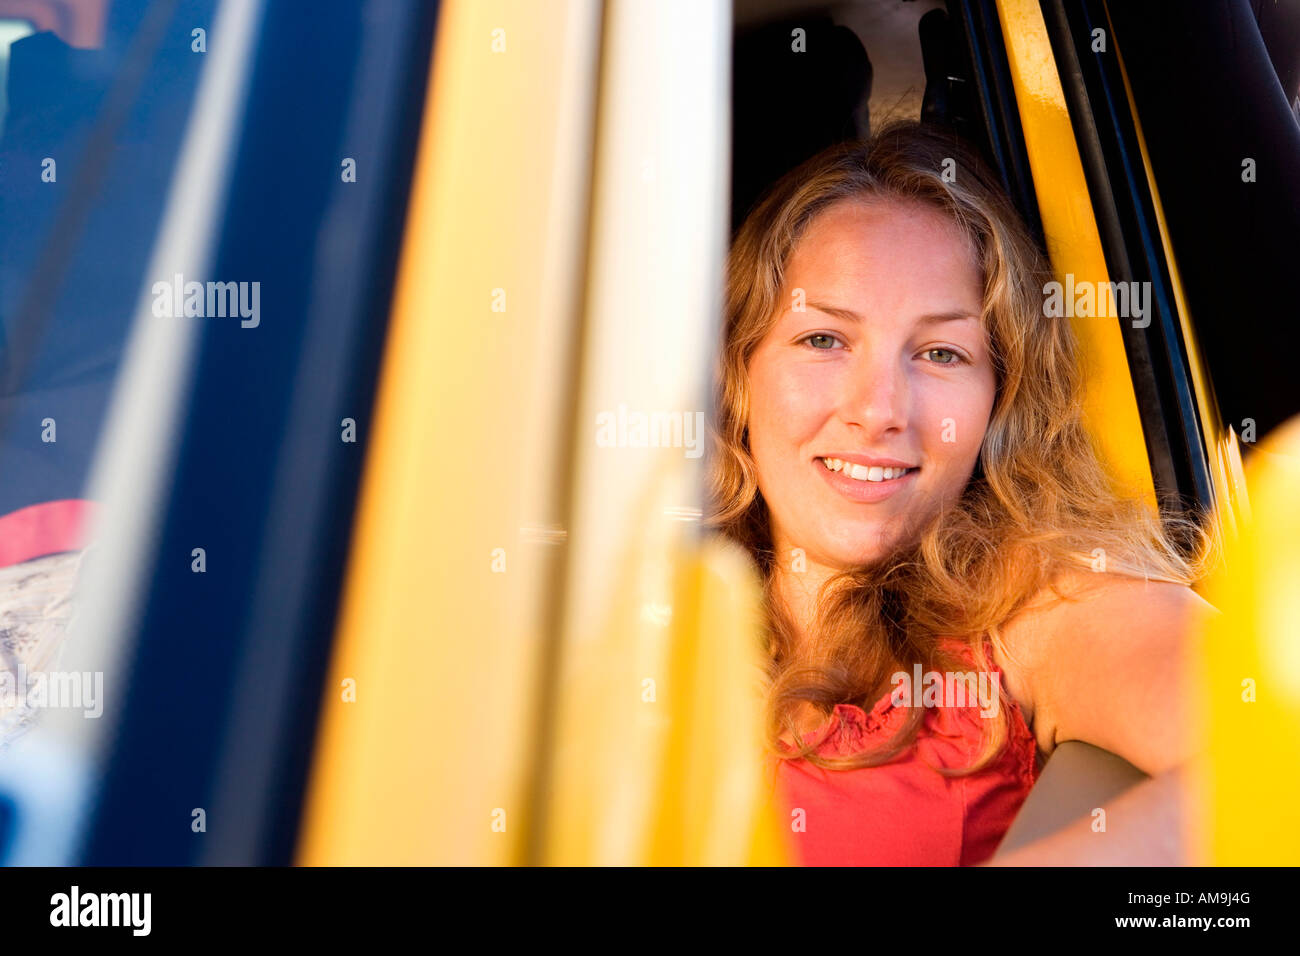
<point x="864" y="491"/>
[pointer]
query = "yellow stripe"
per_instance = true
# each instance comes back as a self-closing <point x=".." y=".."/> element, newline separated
<point x="1073" y="242"/>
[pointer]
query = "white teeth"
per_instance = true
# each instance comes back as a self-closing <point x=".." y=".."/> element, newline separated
<point x="863" y="472"/>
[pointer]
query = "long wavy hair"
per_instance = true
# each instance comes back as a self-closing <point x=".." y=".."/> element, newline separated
<point x="1039" y="499"/>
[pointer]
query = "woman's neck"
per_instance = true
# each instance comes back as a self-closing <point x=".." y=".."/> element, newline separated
<point x="798" y="592"/>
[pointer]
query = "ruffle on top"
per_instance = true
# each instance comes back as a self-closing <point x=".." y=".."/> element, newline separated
<point x="904" y="812"/>
<point x="849" y="729"/>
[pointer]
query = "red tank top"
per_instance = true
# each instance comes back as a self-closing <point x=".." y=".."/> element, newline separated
<point x="904" y="813"/>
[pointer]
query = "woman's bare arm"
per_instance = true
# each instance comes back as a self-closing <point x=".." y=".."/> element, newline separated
<point x="1144" y="826"/>
<point x="1115" y="667"/>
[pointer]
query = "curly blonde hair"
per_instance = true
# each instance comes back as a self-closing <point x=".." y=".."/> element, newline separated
<point x="1038" y="502"/>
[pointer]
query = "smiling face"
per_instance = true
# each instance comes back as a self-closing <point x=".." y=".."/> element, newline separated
<point x="887" y="365"/>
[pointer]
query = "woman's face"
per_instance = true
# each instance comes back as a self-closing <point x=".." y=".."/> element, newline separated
<point x="886" y="365"/>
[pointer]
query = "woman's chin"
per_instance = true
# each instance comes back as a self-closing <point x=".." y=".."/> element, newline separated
<point x="850" y="555"/>
<point x="850" y="559"/>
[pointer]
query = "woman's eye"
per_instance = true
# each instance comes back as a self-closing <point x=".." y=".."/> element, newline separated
<point x="954" y="358"/>
<point x="820" y="337"/>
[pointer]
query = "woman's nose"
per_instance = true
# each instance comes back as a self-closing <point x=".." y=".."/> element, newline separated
<point x="877" y="396"/>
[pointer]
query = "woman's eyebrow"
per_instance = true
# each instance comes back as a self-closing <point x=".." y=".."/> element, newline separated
<point x="847" y="315"/>
<point x="954" y="315"/>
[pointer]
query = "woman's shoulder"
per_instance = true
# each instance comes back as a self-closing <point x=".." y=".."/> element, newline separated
<point x="1088" y="622"/>
<point x="1076" y="596"/>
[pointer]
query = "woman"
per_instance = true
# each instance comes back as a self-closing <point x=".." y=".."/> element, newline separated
<point x="900" y="447"/>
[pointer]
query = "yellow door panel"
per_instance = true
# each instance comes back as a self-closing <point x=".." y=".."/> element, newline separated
<point x="549" y="664"/>
<point x="451" y="574"/>
<point x="654" y="759"/>
<point x="1250" y="786"/>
